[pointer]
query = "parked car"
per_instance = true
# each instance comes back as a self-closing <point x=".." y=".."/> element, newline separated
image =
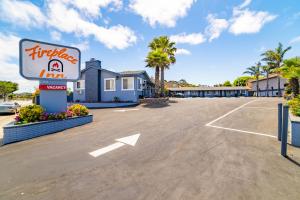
<point x="179" y="95"/>
<point x="9" y="107"/>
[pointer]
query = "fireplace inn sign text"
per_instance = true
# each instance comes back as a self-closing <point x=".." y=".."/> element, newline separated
<point x="45" y="61"/>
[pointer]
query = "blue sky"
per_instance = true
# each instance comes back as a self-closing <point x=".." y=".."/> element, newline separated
<point x="217" y="39"/>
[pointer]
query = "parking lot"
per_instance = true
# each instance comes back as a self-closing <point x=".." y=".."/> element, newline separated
<point x="198" y="148"/>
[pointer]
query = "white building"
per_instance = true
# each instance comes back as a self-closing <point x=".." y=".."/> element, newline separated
<point x="273" y="86"/>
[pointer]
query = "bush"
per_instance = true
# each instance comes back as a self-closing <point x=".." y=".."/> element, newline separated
<point x="295" y="106"/>
<point x="31" y="113"/>
<point x="78" y="110"/>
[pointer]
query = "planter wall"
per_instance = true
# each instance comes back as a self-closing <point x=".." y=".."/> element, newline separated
<point x="295" y="130"/>
<point x="155" y="100"/>
<point x="106" y="105"/>
<point x="15" y="133"/>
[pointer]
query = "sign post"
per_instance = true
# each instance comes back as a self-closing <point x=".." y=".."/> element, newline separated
<point x="53" y="65"/>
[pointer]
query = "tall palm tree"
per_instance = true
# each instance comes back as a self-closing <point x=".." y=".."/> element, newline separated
<point x="168" y="47"/>
<point x="266" y="70"/>
<point x="275" y="58"/>
<point x="157" y="59"/>
<point x="256" y="72"/>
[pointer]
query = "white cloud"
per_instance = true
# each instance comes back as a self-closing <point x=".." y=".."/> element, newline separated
<point x="83" y="46"/>
<point x="245" y="4"/>
<point x="8" y="58"/>
<point x="193" y="38"/>
<point x="163" y="12"/>
<point x="22" y="13"/>
<point x="55" y="35"/>
<point x="247" y="21"/>
<point x="295" y="40"/>
<point x="68" y="20"/>
<point x="216" y="27"/>
<point x="92" y="7"/>
<point x="183" y="52"/>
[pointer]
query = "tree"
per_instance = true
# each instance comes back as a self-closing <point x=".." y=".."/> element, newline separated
<point x="266" y="70"/>
<point x="227" y="84"/>
<point x="274" y="58"/>
<point x="241" y="81"/>
<point x="256" y="72"/>
<point x="291" y="70"/>
<point x="157" y="59"/>
<point x="7" y="87"/>
<point x="168" y="47"/>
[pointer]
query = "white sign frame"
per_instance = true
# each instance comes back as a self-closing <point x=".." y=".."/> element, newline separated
<point x="53" y="76"/>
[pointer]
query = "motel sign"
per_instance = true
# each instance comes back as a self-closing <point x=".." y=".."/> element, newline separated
<point x="53" y="65"/>
<point x="45" y="61"/>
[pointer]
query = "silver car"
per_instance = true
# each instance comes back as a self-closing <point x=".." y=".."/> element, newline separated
<point x="9" y="107"/>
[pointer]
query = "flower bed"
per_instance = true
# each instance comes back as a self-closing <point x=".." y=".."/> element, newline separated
<point x="32" y="122"/>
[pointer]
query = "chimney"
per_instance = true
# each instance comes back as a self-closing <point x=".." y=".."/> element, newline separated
<point x="93" y="63"/>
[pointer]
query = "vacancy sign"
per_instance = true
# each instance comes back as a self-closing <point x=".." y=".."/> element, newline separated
<point x="52" y="87"/>
<point x="45" y="61"/>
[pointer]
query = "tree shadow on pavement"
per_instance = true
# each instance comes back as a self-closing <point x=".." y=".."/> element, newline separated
<point x="156" y="105"/>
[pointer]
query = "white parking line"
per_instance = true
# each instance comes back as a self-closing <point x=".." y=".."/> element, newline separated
<point x="126" y="110"/>
<point x="237" y="130"/>
<point x="213" y="121"/>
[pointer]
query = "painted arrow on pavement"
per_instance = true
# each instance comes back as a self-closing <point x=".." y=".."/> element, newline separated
<point x="130" y="140"/>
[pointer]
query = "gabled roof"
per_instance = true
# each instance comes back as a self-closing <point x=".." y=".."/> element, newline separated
<point x="137" y="72"/>
<point x="264" y="78"/>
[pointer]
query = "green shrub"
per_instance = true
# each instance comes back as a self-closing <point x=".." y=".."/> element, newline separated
<point x="78" y="110"/>
<point x="31" y="113"/>
<point x="295" y="106"/>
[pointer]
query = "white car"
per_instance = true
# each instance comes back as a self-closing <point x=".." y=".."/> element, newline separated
<point x="9" y="107"/>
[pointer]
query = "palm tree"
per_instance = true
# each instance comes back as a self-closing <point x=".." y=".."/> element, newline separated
<point x="256" y="72"/>
<point x="274" y="58"/>
<point x="157" y="59"/>
<point x="266" y="70"/>
<point x="291" y="70"/>
<point x="168" y="47"/>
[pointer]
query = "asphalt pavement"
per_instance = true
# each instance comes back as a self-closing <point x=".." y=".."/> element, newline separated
<point x="200" y="148"/>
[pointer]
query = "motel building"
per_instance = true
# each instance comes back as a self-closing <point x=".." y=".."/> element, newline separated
<point x="100" y="85"/>
<point x="273" y="86"/>
<point x="206" y="91"/>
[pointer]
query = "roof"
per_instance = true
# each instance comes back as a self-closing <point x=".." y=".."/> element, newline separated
<point x="264" y="78"/>
<point x="207" y="88"/>
<point x="133" y="72"/>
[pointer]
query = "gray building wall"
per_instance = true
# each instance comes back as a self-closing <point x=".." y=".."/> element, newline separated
<point x="79" y="95"/>
<point x="128" y="95"/>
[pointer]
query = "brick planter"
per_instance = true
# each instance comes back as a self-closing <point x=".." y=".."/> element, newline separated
<point x="16" y="133"/>
<point x="295" y="130"/>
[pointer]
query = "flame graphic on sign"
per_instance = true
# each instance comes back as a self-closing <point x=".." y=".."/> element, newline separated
<point x="55" y="65"/>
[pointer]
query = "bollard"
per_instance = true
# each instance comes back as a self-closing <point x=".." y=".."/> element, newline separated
<point x="279" y="121"/>
<point x="284" y="130"/>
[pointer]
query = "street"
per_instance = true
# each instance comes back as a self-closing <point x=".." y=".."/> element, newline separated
<point x="194" y="148"/>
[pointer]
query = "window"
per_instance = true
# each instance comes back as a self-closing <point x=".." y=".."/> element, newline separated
<point x="139" y="83"/>
<point x="109" y="84"/>
<point x="80" y="85"/>
<point x="127" y="83"/>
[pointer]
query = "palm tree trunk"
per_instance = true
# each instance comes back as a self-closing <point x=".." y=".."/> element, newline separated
<point x="267" y="84"/>
<point x="294" y="82"/>
<point x="279" y="91"/>
<point x="156" y="81"/>
<point x="257" y="86"/>
<point x="162" y="82"/>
